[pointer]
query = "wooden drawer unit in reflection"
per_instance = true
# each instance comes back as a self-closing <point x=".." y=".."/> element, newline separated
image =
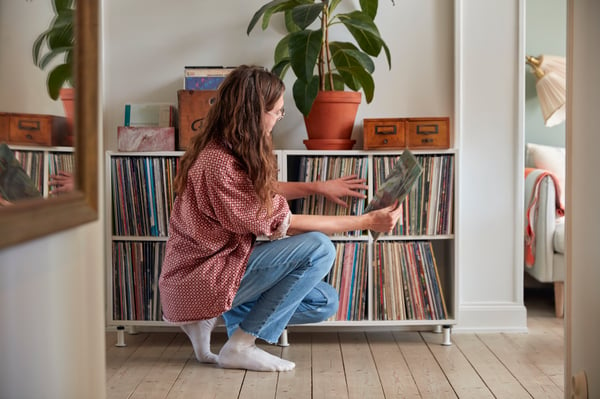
<point x="35" y="129"/>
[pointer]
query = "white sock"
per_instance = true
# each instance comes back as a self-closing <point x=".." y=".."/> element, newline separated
<point x="199" y="334"/>
<point x="240" y="352"/>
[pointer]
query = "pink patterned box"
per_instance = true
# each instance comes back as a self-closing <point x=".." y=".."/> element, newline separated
<point x="145" y="138"/>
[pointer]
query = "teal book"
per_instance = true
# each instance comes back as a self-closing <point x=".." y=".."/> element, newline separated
<point x="15" y="184"/>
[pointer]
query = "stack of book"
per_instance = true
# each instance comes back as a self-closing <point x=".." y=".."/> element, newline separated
<point x="204" y="77"/>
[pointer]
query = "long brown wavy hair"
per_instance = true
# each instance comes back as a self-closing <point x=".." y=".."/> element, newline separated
<point x="236" y="119"/>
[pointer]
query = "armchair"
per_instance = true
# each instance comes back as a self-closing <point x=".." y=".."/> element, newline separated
<point x="544" y="233"/>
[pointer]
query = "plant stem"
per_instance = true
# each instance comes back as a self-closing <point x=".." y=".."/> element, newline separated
<point x="322" y="50"/>
<point x="325" y="23"/>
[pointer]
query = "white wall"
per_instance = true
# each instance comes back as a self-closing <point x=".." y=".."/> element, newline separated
<point x="51" y="307"/>
<point x="490" y="221"/>
<point x="583" y="191"/>
<point x="148" y="42"/>
<point x="51" y="289"/>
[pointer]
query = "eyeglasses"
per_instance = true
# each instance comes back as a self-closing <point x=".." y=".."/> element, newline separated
<point x="279" y="115"/>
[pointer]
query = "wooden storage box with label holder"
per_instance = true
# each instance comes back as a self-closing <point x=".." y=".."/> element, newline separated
<point x="384" y="133"/>
<point x="193" y="106"/>
<point x="426" y="133"/>
<point x="35" y="129"/>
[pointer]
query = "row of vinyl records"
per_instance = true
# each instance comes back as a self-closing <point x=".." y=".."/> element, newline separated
<point x="322" y="168"/>
<point x="142" y="195"/>
<point x="427" y="210"/>
<point x="33" y="164"/>
<point x="406" y="282"/>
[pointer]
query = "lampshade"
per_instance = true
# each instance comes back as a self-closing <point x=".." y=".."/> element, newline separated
<point x="551" y="90"/>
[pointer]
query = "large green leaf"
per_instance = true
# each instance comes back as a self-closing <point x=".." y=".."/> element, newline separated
<point x="62" y="5"/>
<point x="52" y="54"/>
<point x="338" y="82"/>
<point x="57" y="78"/>
<point x="346" y="53"/>
<point x="60" y="37"/>
<point x="304" y="15"/>
<point x="281" y="67"/>
<point x="369" y="7"/>
<point x="304" y="51"/>
<point x="270" y="8"/>
<point x="364" y="31"/>
<point x="282" y="49"/>
<point x="333" y="5"/>
<point x="305" y="93"/>
<point x="356" y="77"/>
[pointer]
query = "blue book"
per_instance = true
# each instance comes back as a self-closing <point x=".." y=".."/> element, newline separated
<point x="204" y="77"/>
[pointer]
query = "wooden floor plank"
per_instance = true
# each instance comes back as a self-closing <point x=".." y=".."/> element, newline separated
<point x="159" y="381"/>
<point x="460" y="373"/>
<point x="117" y="355"/>
<point x="491" y="370"/>
<point x="361" y="373"/>
<point x="200" y="380"/>
<point x="328" y="378"/>
<point x="539" y="350"/>
<point x="394" y="374"/>
<point x="349" y="364"/>
<point x="532" y="378"/>
<point x="428" y="375"/>
<point x="126" y="379"/>
<point x="296" y="384"/>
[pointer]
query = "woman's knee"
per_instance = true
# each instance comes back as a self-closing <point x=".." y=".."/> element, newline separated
<point x="321" y="246"/>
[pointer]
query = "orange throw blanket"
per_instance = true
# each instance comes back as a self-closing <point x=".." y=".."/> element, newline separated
<point x="532" y="210"/>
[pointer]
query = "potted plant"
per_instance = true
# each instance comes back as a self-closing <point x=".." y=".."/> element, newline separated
<point x="56" y="41"/>
<point x="324" y="68"/>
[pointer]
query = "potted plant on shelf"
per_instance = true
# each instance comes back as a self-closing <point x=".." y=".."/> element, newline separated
<point x="58" y="40"/>
<point x="324" y="68"/>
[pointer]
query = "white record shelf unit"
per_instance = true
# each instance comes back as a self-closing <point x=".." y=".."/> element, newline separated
<point x="40" y="162"/>
<point x="407" y="279"/>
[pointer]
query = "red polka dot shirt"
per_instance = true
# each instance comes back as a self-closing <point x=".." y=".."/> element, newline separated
<point x="213" y="226"/>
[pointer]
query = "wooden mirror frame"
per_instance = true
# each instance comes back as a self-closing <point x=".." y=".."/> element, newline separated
<point x="31" y="219"/>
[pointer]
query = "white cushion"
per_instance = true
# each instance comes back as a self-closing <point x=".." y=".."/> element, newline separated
<point x="549" y="158"/>
<point x="558" y="240"/>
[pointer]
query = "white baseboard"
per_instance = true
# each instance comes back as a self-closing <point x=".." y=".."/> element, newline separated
<point x="491" y="317"/>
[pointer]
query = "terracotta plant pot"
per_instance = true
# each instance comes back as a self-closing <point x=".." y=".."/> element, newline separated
<point x="67" y="96"/>
<point x="331" y="120"/>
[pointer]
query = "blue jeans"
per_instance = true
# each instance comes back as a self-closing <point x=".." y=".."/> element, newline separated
<point x="283" y="285"/>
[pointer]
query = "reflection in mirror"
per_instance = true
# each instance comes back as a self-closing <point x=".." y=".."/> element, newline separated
<point x="38" y="132"/>
<point x="42" y="150"/>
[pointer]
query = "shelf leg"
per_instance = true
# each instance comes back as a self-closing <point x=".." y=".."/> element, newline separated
<point x="446" y="339"/>
<point x="120" y="336"/>
<point x="283" y="339"/>
<point x="131" y="330"/>
<point x="437" y="329"/>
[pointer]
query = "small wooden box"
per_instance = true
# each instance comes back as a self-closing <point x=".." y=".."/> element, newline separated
<point x="193" y="107"/>
<point x="4" y="126"/>
<point x="35" y="129"/>
<point x="424" y="133"/>
<point x="384" y="133"/>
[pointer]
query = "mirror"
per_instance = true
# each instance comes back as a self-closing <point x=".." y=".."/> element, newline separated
<point x="34" y="218"/>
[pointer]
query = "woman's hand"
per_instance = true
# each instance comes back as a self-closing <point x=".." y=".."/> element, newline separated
<point x="347" y="186"/>
<point x="61" y="182"/>
<point x="383" y="220"/>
